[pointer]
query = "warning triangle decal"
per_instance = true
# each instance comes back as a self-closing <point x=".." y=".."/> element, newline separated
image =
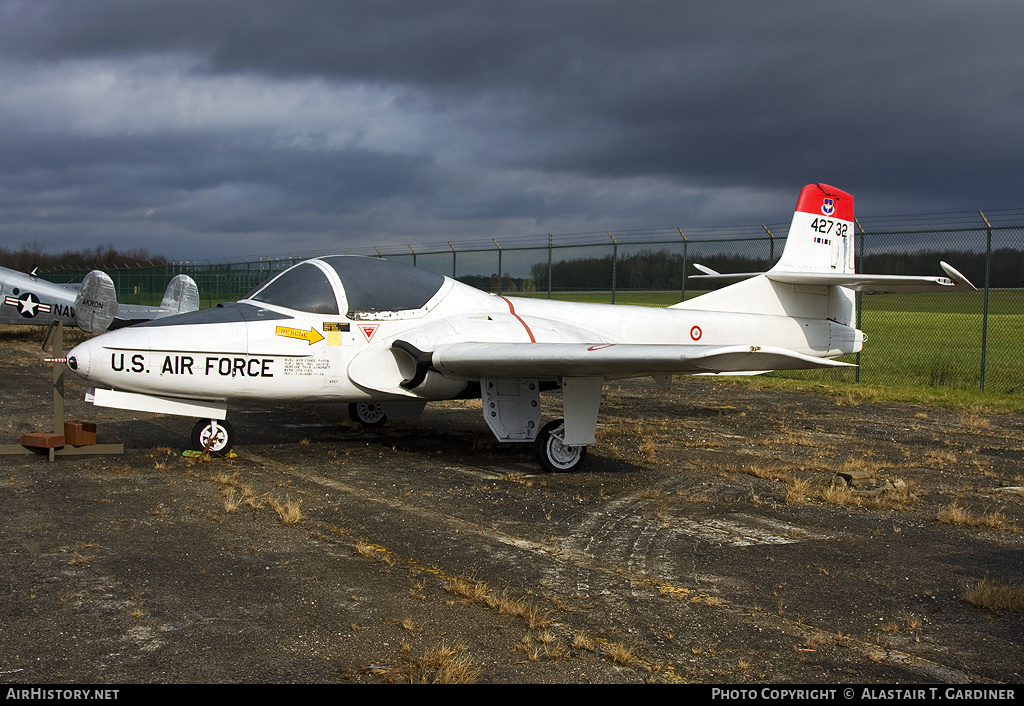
<point x="368" y="330"/>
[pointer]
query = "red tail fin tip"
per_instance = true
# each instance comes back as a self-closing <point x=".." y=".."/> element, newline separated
<point x="825" y="200"/>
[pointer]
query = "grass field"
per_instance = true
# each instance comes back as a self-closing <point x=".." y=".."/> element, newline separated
<point x="937" y="339"/>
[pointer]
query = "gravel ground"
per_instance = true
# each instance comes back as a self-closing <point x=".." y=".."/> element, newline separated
<point x="706" y="540"/>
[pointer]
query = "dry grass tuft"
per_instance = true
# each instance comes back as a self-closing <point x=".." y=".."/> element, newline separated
<point x="995" y="595"/>
<point x="798" y="490"/>
<point x="372" y="551"/>
<point x="546" y="645"/>
<point x="441" y="665"/>
<point x="618" y="653"/>
<point x="940" y="459"/>
<point x="232" y="500"/>
<point x="410" y="626"/>
<point x="288" y="510"/>
<point x="973" y="417"/>
<point x="583" y="641"/>
<point x="962" y="517"/>
<point x="479" y="592"/>
<point x="469" y="589"/>
<point x="840" y="495"/>
<point x="768" y="472"/>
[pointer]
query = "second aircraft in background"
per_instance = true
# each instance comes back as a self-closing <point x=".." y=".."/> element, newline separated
<point x="91" y="305"/>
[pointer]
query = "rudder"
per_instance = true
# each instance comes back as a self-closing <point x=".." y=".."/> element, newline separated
<point x="821" y="235"/>
<point x="96" y="304"/>
<point x="181" y="295"/>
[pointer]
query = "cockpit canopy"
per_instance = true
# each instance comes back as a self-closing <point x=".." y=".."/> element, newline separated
<point x="303" y="287"/>
<point x="369" y="286"/>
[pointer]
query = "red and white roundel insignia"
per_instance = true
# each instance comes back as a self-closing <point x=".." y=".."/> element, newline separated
<point x="696" y="333"/>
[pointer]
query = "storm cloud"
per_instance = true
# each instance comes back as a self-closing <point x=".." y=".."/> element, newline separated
<point x="218" y="128"/>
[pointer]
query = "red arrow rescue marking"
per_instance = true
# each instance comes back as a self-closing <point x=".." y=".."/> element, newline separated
<point x="512" y="309"/>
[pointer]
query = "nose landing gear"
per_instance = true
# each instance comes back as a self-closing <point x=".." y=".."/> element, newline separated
<point x="213" y="435"/>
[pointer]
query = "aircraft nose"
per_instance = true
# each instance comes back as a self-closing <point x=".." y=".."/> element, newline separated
<point x="80" y="359"/>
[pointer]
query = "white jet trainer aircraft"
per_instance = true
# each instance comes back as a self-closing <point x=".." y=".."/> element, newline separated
<point x="388" y="338"/>
<point x="91" y="305"/>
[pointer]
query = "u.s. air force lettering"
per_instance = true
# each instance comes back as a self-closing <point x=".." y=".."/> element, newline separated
<point x="233" y="366"/>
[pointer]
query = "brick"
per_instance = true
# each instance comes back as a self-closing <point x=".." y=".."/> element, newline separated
<point x="80" y="433"/>
<point x="42" y="440"/>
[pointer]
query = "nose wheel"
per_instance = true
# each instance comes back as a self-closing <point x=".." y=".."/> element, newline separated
<point x="213" y="435"/>
<point x="552" y="452"/>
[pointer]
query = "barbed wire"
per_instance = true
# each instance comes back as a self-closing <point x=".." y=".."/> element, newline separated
<point x="897" y="223"/>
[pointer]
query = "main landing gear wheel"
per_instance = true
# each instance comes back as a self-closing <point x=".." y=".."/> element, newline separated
<point x="552" y="454"/>
<point x="213" y="435"/>
<point x="369" y="414"/>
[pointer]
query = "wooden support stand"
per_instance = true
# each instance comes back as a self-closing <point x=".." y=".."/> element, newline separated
<point x="69" y="438"/>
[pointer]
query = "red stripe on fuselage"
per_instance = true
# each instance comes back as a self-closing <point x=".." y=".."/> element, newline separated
<point x="512" y="309"/>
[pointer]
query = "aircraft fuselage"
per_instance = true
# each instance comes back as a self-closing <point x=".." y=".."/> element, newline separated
<point x="25" y="299"/>
<point x="245" y="351"/>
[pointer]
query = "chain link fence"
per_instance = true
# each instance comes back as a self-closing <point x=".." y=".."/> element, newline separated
<point x="968" y="340"/>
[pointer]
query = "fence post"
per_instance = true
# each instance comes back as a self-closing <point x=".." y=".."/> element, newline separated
<point x="615" y="260"/>
<point x="682" y="293"/>
<point x="549" y="265"/>
<point x="984" y="315"/>
<point x="771" y="245"/>
<point x="499" y="264"/>
<point x="859" y="296"/>
<point x="453" y="258"/>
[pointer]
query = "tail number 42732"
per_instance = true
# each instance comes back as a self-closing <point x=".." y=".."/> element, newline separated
<point x="827" y="225"/>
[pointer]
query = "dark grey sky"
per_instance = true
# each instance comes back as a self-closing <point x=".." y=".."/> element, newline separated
<point x="221" y="128"/>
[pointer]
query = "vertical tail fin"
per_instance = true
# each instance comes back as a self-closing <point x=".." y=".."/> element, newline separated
<point x="820" y="243"/>
<point x="821" y="234"/>
<point x="814" y="281"/>
<point x="181" y="295"/>
<point x="96" y="303"/>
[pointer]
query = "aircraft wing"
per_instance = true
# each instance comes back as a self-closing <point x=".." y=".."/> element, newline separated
<point x="496" y="360"/>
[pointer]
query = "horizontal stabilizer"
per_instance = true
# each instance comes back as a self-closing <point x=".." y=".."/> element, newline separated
<point x="957" y="277"/>
<point x="180" y="297"/>
<point x="547" y="360"/>
<point x="715" y="276"/>
<point x="866" y="283"/>
<point x="869" y="284"/>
